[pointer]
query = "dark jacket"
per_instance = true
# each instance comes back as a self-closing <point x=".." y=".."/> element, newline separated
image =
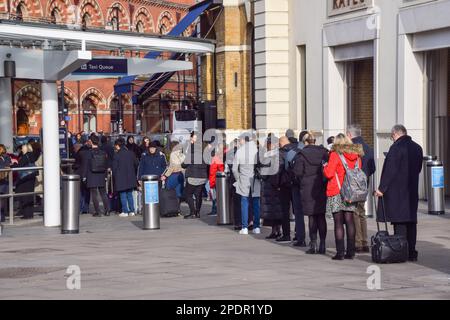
<point x="313" y="186"/>
<point x="26" y="160"/>
<point x="194" y="169"/>
<point x="135" y="149"/>
<point x="5" y="162"/>
<point x="125" y="166"/>
<point x="109" y="149"/>
<point x="152" y="164"/>
<point x="400" y="181"/>
<point x="368" y="160"/>
<point x="271" y="207"/>
<point x="94" y="179"/>
<point x="82" y="160"/>
<point x="287" y="178"/>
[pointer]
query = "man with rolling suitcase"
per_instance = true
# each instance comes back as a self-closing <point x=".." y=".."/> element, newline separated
<point x="399" y="187"/>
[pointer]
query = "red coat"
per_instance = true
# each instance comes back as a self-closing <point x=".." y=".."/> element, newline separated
<point x="352" y="153"/>
<point x="216" y="166"/>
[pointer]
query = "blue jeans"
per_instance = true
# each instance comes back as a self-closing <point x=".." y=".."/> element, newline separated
<point x="176" y="181"/>
<point x="298" y="212"/>
<point x="245" y="201"/>
<point x="126" y="199"/>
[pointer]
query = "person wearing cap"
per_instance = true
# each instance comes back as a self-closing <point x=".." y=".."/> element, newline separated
<point x="153" y="162"/>
<point x="248" y="186"/>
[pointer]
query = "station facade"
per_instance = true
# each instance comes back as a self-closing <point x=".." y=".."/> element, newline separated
<point x="92" y="105"/>
<point x="321" y="65"/>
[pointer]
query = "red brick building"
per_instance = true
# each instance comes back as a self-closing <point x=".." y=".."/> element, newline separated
<point x="92" y="104"/>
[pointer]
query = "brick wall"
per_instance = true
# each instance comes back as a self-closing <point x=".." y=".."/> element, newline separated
<point x="362" y="98"/>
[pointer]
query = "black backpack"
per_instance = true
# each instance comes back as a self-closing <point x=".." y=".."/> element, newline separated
<point x="99" y="163"/>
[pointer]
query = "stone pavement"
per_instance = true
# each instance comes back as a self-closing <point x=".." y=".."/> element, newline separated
<point x="196" y="259"/>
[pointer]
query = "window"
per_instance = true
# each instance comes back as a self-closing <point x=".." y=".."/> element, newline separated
<point x="86" y="21"/>
<point x="140" y="27"/>
<point x="20" y="11"/>
<point x="54" y="16"/>
<point x="163" y="29"/>
<point x="115" y="23"/>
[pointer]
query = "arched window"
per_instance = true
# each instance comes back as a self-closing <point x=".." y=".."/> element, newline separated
<point x="20" y="11"/>
<point x="140" y="27"/>
<point x="114" y="23"/>
<point x="55" y="17"/>
<point x="86" y="21"/>
<point x="163" y="29"/>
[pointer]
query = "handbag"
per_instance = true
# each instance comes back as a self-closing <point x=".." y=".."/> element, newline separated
<point x="388" y="248"/>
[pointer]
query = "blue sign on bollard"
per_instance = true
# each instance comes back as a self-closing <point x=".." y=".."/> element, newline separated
<point x="151" y="192"/>
<point x="437" y="177"/>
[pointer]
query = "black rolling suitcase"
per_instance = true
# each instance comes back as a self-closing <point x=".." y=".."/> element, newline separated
<point x="169" y="205"/>
<point x="388" y="248"/>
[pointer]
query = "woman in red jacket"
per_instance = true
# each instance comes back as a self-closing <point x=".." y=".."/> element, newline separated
<point x="217" y="165"/>
<point x="342" y="211"/>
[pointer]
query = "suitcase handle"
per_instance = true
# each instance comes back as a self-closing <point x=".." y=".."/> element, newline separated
<point x="384" y="215"/>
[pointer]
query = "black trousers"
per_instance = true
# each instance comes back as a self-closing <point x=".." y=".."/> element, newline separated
<point x="99" y="195"/>
<point x="409" y="231"/>
<point x="27" y="202"/>
<point x="190" y="192"/>
<point x="286" y="196"/>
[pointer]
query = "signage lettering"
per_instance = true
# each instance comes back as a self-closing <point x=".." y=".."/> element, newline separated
<point x="116" y="67"/>
<point x="336" y="7"/>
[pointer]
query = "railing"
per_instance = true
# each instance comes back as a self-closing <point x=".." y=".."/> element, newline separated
<point x="11" y="195"/>
<point x="66" y="163"/>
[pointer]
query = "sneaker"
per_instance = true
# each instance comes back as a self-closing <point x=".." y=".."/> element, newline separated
<point x="256" y="231"/>
<point x="123" y="214"/>
<point x="243" y="231"/>
<point x="131" y="214"/>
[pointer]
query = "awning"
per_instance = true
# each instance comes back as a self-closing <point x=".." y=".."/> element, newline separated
<point x="124" y="85"/>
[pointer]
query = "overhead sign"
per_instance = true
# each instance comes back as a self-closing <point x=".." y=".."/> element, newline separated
<point x="336" y="7"/>
<point x="103" y="66"/>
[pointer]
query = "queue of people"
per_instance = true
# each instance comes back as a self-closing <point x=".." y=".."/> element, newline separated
<point x="268" y="182"/>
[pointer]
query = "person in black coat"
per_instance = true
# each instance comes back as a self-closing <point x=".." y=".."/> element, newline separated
<point x="124" y="170"/>
<point x="399" y="187"/>
<point x="133" y="146"/>
<point x="307" y="168"/>
<point x="96" y="179"/>
<point x="26" y="181"/>
<point x="5" y="162"/>
<point x="196" y="176"/>
<point x="107" y="147"/>
<point x="368" y="166"/>
<point x="153" y="162"/>
<point x="271" y="209"/>
<point x="80" y="166"/>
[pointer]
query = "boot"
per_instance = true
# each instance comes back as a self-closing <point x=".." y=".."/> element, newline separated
<point x="312" y="247"/>
<point x="350" y="249"/>
<point x="340" y="250"/>
<point x="190" y="216"/>
<point x="322" y="247"/>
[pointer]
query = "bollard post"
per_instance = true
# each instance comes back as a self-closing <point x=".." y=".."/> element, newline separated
<point x="70" y="220"/>
<point x="436" y="183"/>
<point x="426" y="159"/>
<point x="150" y="202"/>
<point x="370" y="203"/>
<point x="223" y="199"/>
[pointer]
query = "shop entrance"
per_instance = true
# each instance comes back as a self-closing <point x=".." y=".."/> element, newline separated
<point x="359" y="80"/>
<point x="437" y="76"/>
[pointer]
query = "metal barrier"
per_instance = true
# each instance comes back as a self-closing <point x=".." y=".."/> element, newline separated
<point x="66" y="163"/>
<point x="11" y="195"/>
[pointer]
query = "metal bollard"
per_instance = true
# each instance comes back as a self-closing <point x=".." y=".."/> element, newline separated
<point x="70" y="220"/>
<point x="436" y="183"/>
<point x="426" y="159"/>
<point x="223" y="199"/>
<point x="150" y="202"/>
<point x="370" y="203"/>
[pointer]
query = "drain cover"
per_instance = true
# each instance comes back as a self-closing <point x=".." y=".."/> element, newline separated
<point x="16" y="273"/>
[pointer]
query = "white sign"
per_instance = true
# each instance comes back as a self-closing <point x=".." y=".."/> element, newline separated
<point x="336" y="7"/>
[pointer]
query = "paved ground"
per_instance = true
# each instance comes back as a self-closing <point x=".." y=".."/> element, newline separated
<point x="199" y="260"/>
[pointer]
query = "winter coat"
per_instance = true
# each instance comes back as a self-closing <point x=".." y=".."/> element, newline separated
<point x="352" y="153"/>
<point x="287" y="177"/>
<point x="216" y="166"/>
<point x="94" y="179"/>
<point x="135" y="149"/>
<point x="176" y="160"/>
<point x="5" y="162"/>
<point x="400" y="181"/>
<point x="26" y="160"/>
<point x="109" y="149"/>
<point x="308" y="171"/>
<point x="244" y="170"/>
<point x="82" y="160"/>
<point x="125" y="166"/>
<point x="194" y="163"/>
<point x="152" y="164"/>
<point x="368" y="160"/>
<point x="271" y="207"/>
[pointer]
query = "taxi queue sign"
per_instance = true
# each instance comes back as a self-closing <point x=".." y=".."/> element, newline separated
<point x="150" y="205"/>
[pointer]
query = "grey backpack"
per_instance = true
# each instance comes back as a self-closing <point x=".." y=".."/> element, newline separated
<point x="355" y="188"/>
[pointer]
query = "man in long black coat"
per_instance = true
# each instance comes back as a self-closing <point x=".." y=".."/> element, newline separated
<point x="399" y="187"/>
<point x="81" y="164"/>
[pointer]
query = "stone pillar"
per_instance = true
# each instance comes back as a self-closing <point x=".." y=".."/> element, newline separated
<point x="6" y="115"/>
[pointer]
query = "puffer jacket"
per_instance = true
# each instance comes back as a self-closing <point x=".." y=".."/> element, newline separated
<point x="334" y="167"/>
